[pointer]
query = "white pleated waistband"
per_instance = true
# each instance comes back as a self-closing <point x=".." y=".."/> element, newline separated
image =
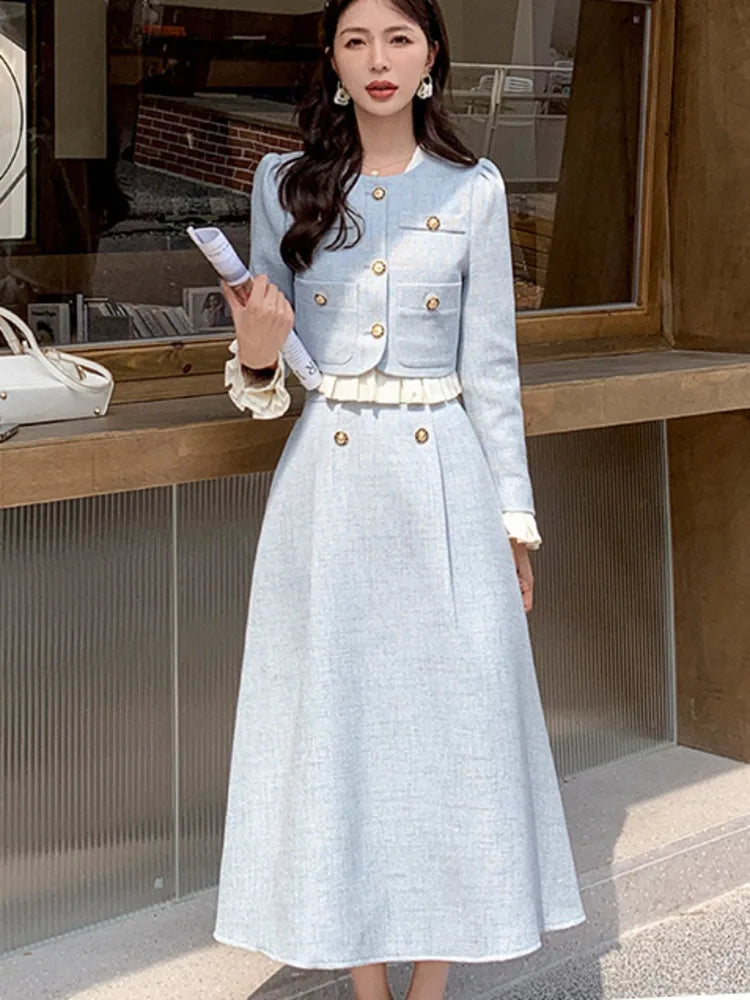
<point x="375" y="386"/>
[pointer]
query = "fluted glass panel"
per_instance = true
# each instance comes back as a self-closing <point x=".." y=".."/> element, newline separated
<point x="218" y="523"/>
<point x="601" y="624"/>
<point x="85" y="757"/>
<point x="122" y="622"/>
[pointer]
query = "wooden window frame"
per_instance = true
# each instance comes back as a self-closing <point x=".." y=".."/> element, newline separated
<point x="194" y="367"/>
<point x="628" y="326"/>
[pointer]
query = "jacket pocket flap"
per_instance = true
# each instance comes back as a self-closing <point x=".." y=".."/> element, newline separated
<point x="324" y="294"/>
<point x="436" y="222"/>
<point x="429" y="297"/>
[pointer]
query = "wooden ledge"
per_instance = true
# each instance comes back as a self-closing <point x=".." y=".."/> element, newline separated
<point x="581" y="393"/>
<point x="143" y="445"/>
<point x="138" y="446"/>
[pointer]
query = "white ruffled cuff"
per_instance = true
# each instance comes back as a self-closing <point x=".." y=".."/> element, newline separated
<point x="521" y="525"/>
<point x="266" y="398"/>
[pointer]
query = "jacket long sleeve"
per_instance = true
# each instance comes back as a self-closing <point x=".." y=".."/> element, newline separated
<point x="268" y="399"/>
<point x="487" y="356"/>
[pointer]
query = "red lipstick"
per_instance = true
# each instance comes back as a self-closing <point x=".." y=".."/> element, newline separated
<point x="381" y="89"/>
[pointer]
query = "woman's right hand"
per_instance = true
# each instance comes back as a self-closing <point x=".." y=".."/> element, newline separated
<point x="262" y="322"/>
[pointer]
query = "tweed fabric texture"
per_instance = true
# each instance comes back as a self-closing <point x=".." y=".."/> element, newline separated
<point x="441" y="232"/>
<point x="392" y="792"/>
<point x="484" y="276"/>
<point x="270" y="398"/>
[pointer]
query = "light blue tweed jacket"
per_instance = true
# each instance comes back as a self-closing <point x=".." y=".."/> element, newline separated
<point x="427" y="291"/>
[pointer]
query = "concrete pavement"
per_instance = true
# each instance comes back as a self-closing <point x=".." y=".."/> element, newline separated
<point x="662" y="847"/>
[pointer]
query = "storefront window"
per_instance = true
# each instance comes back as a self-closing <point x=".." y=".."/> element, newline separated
<point x="122" y="123"/>
<point x="13" y="112"/>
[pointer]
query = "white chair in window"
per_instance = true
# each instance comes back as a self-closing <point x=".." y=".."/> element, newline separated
<point x="512" y="113"/>
<point x="480" y="109"/>
<point x="522" y="86"/>
<point x="498" y="85"/>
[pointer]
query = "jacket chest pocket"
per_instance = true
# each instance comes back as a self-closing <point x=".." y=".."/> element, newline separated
<point x="426" y="326"/>
<point x="433" y="223"/>
<point x="325" y="317"/>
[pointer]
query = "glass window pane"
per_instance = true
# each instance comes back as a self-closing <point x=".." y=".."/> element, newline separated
<point x="13" y="111"/>
<point x="192" y="94"/>
<point x="551" y="90"/>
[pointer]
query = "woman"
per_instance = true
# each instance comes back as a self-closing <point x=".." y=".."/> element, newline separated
<point x="393" y="795"/>
<point x="214" y="311"/>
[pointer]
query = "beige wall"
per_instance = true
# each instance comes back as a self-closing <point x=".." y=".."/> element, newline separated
<point x="565" y="24"/>
<point x="257" y="6"/>
<point x="485" y="30"/>
<point x="80" y="79"/>
<point x="488" y="29"/>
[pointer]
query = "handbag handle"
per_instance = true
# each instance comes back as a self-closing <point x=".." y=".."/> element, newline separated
<point x="12" y="340"/>
<point x="27" y="344"/>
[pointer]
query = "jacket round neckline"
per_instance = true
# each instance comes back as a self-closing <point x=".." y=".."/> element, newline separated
<point x="389" y="178"/>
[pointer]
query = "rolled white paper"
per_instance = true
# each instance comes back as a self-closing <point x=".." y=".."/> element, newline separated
<point x="298" y="358"/>
<point x="217" y="249"/>
<point x="215" y="246"/>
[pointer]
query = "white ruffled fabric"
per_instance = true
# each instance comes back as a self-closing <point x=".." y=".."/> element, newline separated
<point x="521" y="526"/>
<point x="265" y="397"/>
<point x="374" y="386"/>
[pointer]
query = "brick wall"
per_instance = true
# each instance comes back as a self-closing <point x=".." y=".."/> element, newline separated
<point x="204" y="145"/>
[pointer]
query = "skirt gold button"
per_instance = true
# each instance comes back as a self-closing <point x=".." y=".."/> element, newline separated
<point x="378" y="266"/>
<point x="377" y="329"/>
<point x="341" y="437"/>
<point x="421" y="434"/>
<point x="433" y="222"/>
<point x="378" y="193"/>
<point x="320" y="298"/>
<point x="432" y="302"/>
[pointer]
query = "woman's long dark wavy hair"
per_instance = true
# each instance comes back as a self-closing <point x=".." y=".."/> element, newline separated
<point x="314" y="186"/>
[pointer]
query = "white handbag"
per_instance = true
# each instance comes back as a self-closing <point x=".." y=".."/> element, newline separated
<point x="38" y="384"/>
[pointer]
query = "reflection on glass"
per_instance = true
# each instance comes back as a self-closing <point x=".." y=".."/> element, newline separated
<point x="13" y="193"/>
<point x="198" y="91"/>
<point x="558" y="108"/>
<point x="515" y="113"/>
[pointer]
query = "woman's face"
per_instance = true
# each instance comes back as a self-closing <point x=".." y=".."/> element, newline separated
<point x="213" y="309"/>
<point x="376" y="42"/>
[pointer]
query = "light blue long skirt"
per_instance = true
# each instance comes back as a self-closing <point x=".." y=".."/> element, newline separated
<point x="393" y="794"/>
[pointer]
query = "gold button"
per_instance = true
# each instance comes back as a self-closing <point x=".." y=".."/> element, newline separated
<point x="320" y="298"/>
<point x="341" y="437"/>
<point x="378" y="193"/>
<point x="378" y="266"/>
<point x="377" y="329"/>
<point x="421" y="435"/>
<point x="433" y="222"/>
<point x="432" y="302"/>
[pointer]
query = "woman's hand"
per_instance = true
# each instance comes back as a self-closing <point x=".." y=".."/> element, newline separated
<point x="523" y="572"/>
<point x="262" y="321"/>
